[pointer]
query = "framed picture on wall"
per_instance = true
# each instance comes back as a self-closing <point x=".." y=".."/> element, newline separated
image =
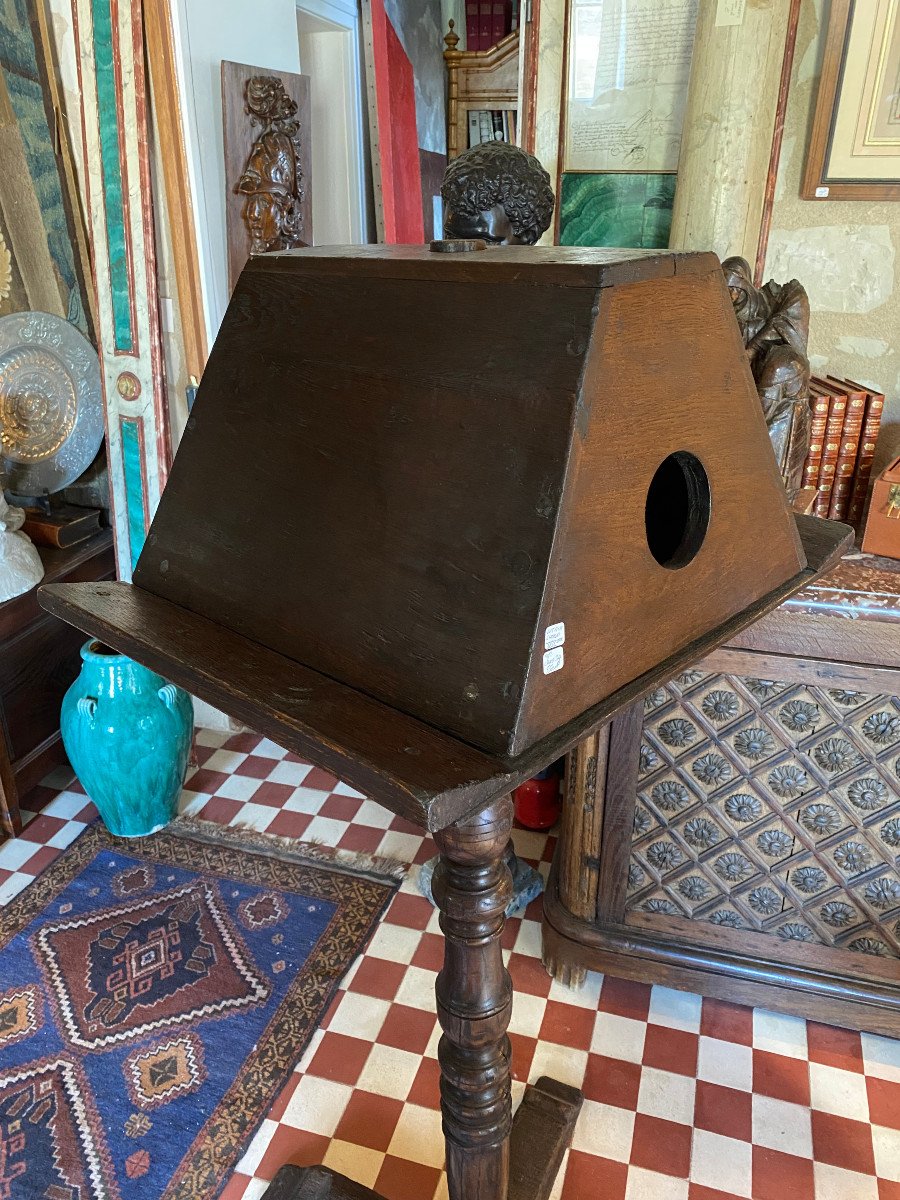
<point x="854" y="149"/>
<point x="628" y="67"/>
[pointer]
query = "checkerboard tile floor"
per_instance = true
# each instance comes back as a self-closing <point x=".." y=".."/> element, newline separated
<point x="686" y="1099"/>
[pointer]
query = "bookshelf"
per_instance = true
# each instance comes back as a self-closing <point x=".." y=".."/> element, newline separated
<point x="479" y="80"/>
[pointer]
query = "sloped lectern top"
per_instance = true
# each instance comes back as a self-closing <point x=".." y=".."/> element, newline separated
<point x="437" y="516"/>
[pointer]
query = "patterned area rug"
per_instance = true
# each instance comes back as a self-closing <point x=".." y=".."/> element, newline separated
<point x="154" y="997"/>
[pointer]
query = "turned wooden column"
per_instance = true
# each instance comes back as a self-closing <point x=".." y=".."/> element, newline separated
<point x="472" y="887"/>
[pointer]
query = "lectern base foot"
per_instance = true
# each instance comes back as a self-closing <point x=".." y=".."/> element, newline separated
<point x="541" y="1132"/>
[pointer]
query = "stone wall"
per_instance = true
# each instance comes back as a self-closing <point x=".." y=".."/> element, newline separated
<point x="843" y="251"/>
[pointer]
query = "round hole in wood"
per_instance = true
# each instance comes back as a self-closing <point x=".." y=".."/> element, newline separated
<point x="677" y="510"/>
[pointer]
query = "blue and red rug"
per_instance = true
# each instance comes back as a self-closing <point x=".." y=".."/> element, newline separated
<point x="154" y="997"/>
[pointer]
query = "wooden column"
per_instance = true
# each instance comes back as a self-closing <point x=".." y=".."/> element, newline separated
<point x="730" y="123"/>
<point x="472" y="886"/>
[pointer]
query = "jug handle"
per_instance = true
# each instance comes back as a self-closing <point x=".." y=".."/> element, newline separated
<point x="87" y="706"/>
<point x="168" y="693"/>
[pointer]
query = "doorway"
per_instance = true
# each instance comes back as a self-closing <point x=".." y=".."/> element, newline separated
<point x="329" y="35"/>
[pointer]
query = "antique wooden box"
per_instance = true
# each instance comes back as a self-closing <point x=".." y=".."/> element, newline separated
<point x="494" y="460"/>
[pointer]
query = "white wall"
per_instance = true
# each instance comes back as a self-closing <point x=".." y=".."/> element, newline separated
<point x="261" y="33"/>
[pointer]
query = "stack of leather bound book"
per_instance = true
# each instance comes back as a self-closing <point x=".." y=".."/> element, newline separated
<point x="846" y="417"/>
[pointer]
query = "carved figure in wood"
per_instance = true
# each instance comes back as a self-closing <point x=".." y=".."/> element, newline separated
<point x="272" y="180"/>
<point x="498" y="193"/>
<point x="774" y="324"/>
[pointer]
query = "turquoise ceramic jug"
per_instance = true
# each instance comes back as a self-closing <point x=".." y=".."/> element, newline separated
<point x="127" y="733"/>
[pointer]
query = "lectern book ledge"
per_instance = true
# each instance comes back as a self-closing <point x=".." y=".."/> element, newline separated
<point x="417" y="771"/>
<point x="471" y="509"/>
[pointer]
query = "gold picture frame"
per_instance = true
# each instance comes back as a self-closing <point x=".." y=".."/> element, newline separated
<point x="854" y="148"/>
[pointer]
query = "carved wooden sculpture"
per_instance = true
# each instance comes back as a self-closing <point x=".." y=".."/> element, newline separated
<point x="498" y="193"/>
<point x="490" y="585"/>
<point x="774" y="324"/>
<point x="267" y="162"/>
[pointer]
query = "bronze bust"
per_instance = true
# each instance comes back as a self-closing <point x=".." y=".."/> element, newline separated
<point x="774" y="325"/>
<point x="498" y="193"/>
<point x="272" y="180"/>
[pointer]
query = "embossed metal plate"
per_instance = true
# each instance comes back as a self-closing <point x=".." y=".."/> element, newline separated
<point x="51" y="405"/>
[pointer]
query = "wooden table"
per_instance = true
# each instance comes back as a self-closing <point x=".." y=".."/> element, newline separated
<point x="804" y="916"/>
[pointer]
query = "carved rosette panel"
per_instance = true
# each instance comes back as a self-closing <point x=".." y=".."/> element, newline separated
<point x="772" y="807"/>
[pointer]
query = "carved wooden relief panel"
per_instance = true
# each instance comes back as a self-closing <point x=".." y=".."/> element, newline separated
<point x="268" y="204"/>
<point x="773" y="807"/>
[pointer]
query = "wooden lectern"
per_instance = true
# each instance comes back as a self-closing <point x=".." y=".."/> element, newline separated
<point x="496" y="497"/>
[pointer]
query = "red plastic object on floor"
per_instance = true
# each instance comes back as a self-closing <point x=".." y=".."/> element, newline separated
<point x="537" y="802"/>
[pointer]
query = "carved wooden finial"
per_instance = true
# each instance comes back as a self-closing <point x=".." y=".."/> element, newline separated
<point x="451" y="39"/>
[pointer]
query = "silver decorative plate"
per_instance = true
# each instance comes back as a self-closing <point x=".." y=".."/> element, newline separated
<point x="51" y="403"/>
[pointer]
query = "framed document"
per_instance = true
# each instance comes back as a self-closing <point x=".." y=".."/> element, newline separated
<point x="629" y="65"/>
<point x="854" y="150"/>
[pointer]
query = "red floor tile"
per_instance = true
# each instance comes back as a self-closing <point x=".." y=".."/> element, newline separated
<point x="888" y="1190"/>
<point x="523" y="1049"/>
<point x="340" y="808"/>
<point x="340" y="1058"/>
<point x="43" y="828"/>
<point x="400" y="1180"/>
<point x="321" y="780"/>
<point x="568" y="1025"/>
<point x="781" y="1077"/>
<point x="842" y="1143"/>
<point x="528" y="975"/>
<point x="41" y="860"/>
<point x="256" y="768"/>
<point x="671" y="1050"/>
<point x="778" y="1176"/>
<point x="510" y="933"/>
<point x="377" y="977"/>
<point x="369" y="1120"/>
<point x="724" y="1110"/>
<point x="661" y="1146"/>
<point x="242" y="743"/>
<point x="884" y="1102"/>
<point x="235" y="1187"/>
<point x="589" y="1177"/>
<point x="430" y="952"/>
<point x="696" y="1191"/>
<point x="612" y="1081"/>
<point x="407" y="1028"/>
<point x="414" y="912"/>
<point x="728" y="1022"/>
<point x="401" y="825"/>
<point x="273" y="794"/>
<point x="361" y="839"/>
<point x="625" y="998"/>
<point x="425" y="1090"/>
<point x="207" y="782"/>
<point x="217" y="808"/>
<point x="289" y="824"/>
<point x="289" y="1145"/>
<point x="834" y="1047"/>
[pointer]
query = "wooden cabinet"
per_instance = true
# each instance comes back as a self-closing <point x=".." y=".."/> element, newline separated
<point x="38" y="660"/>
<point x="750" y="816"/>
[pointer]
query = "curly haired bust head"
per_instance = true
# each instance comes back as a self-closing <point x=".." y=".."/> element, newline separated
<point x="496" y="192"/>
